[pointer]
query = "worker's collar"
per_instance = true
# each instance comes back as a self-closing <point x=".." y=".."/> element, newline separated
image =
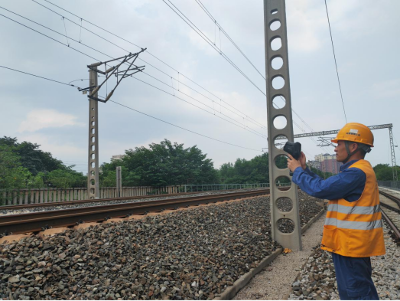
<point x="347" y="165"/>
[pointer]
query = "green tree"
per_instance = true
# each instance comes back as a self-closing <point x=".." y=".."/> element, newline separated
<point x="244" y="171"/>
<point x="65" y="178"/>
<point x="384" y="172"/>
<point x="12" y="174"/>
<point x="24" y="165"/>
<point x="161" y="164"/>
<point x="31" y="157"/>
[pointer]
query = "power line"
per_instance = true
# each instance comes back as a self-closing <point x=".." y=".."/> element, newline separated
<point x="201" y="34"/>
<point x="226" y="34"/>
<point x="162" y="90"/>
<point x="142" y="59"/>
<point x="182" y="127"/>
<point x="148" y="115"/>
<point x="38" y="76"/>
<point x="147" y="52"/>
<point x="241" y="125"/>
<point x="334" y="56"/>
<point x="80" y="18"/>
<point x="48" y="37"/>
<point x="205" y="38"/>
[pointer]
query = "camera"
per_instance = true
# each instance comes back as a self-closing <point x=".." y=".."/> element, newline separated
<point x="293" y="148"/>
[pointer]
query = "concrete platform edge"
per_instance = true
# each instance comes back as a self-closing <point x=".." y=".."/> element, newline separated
<point x="308" y="225"/>
<point x="231" y="291"/>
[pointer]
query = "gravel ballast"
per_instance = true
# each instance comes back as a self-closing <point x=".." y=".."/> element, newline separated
<point x="317" y="280"/>
<point x="188" y="254"/>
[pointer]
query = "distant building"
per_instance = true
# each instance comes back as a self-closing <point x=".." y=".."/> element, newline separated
<point x="315" y="164"/>
<point x="117" y="157"/>
<point x="327" y="163"/>
<point x="331" y="165"/>
<point x="323" y="157"/>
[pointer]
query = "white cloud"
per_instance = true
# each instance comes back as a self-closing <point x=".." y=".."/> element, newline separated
<point x="41" y="119"/>
<point x="57" y="147"/>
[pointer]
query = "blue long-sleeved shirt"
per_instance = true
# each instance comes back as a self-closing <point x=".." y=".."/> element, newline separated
<point x="348" y="184"/>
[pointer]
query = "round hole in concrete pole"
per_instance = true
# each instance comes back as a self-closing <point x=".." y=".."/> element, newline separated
<point x="284" y="204"/>
<point x="278" y="82"/>
<point x="280" y="122"/>
<point x="281" y="161"/>
<point x="274" y="25"/>
<point x="280" y="141"/>
<point x="282" y="183"/>
<point x="285" y="225"/>
<point x="278" y="102"/>
<point x="276" y="44"/>
<point x="277" y="63"/>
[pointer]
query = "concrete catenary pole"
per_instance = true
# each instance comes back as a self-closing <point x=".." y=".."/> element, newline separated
<point x="119" y="181"/>
<point x="393" y="153"/>
<point x="285" y="220"/>
<point x="93" y="152"/>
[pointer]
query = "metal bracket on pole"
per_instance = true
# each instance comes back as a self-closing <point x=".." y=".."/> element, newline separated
<point x="285" y="223"/>
<point x="114" y="70"/>
<point x="325" y="141"/>
<point x="93" y="152"/>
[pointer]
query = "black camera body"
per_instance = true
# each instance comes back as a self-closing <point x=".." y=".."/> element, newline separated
<point x="293" y="148"/>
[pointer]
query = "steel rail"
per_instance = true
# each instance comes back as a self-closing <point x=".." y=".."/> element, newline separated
<point x="37" y="221"/>
<point x="395" y="230"/>
<point x="390" y="207"/>
<point x="389" y="196"/>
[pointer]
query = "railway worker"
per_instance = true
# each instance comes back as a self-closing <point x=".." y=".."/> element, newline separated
<point x="353" y="226"/>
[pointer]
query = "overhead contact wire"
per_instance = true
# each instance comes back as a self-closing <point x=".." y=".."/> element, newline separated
<point x="334" y="56"/>
<point x="147" y="52"/>
<point x="148" y="115"/>
<point x="226" y="34"/>
<point x="205" y="38"/>
<point x="141" y="59"/>
<point x="238" y="123"/>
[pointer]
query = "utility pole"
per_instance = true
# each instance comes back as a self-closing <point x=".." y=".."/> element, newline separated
<point x="394" y="168"/>
<point x="93" y="160"/>
<point x="119" y="181"/>
<point x="285" y="224"/>
<point x="93" y="151"/>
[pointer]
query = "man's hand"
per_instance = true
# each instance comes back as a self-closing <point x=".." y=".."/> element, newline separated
<point x="302" y="160"/>
<point x="292" y="163"/>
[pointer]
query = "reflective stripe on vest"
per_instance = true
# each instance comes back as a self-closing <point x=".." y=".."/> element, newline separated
<point x="354" y="210"/>
<point x="355" y="229"/>
<point x="353" y="225"/>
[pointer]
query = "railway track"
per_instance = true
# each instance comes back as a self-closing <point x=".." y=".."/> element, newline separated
<point x="38" y="221"/>
<point x="391" y="213"/>
<point x="88" y="201"/>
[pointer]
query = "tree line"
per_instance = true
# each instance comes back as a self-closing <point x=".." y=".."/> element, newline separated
<point x="24" y="165"/>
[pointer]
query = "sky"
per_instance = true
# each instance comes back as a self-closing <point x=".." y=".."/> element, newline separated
<point x="188" y="93"/>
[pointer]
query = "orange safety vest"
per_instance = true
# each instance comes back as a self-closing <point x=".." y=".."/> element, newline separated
<point x="354" y="229"/>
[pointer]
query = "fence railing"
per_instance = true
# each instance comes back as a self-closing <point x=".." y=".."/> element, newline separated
<point x="390" y="184"/>
<point x="211" y="187"/>
<point x="48" y="195"/>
